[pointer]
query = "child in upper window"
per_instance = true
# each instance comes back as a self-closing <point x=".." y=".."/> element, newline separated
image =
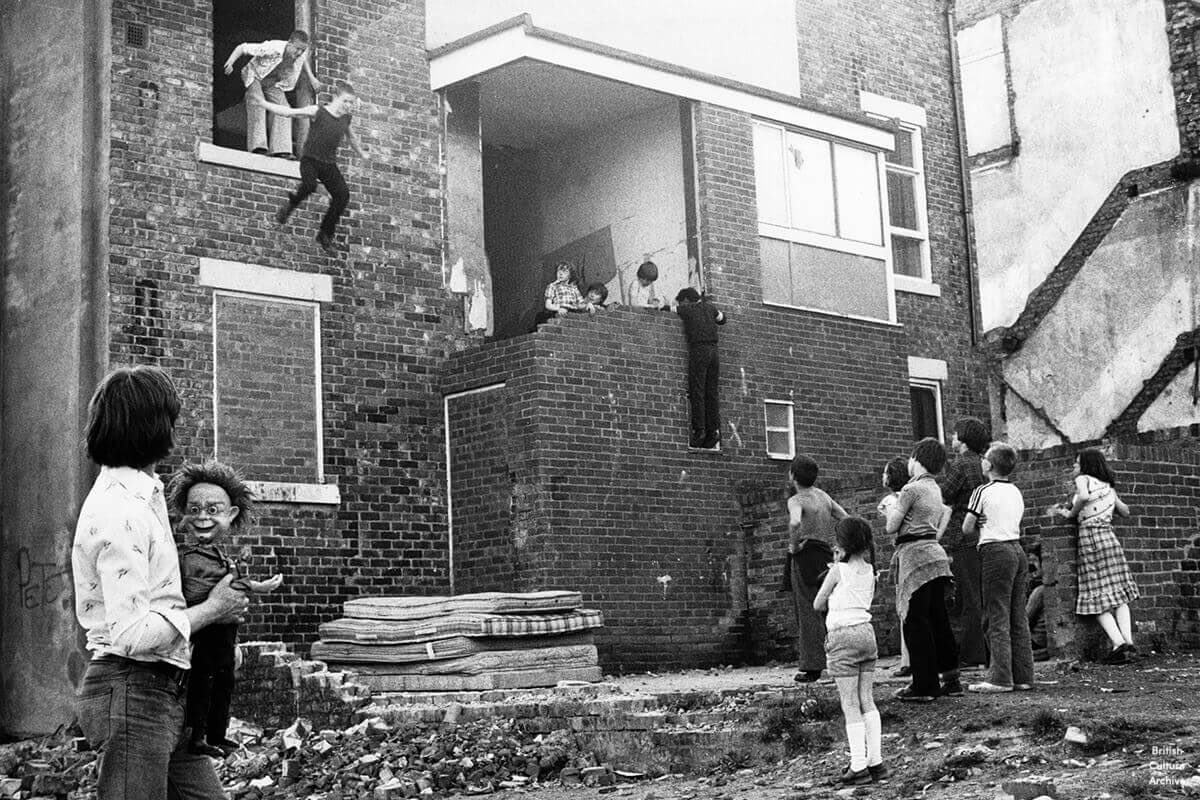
<point x="273" y="69"/>
<point x="562" y="295"/>
<point x="596" y="298"/>
<point x="211" y="499"/>
<point x="643" y="294"/>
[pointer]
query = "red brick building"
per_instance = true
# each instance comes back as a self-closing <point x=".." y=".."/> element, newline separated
<point x="406" y="432"/>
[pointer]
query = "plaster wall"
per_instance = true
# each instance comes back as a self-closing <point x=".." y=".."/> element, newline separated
<point x="1092" y="100"/>
<point x="54" y="160"/>
<point x="1174" y="407"/>
<point x="1117" y="321"/>
<point x="628" y="177"/>
<point x="754" y="43"/>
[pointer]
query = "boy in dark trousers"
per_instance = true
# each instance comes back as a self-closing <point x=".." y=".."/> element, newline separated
<point x="210" y="499"/>
<point x="331" y="123"/>
<point x="700" y="321"/>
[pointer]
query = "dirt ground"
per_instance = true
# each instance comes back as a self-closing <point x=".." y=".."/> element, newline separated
<point x="1141" y="721"/>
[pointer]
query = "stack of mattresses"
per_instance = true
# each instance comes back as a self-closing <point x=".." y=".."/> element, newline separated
<point x="491" y="640"/>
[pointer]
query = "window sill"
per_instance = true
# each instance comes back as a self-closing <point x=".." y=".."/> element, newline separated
<point x="826" y="313"/>
<point x="254" y="162"/>
<point x="906" y="283"/>
<point x="321" y="494"/>
<point x="779" y="457"/>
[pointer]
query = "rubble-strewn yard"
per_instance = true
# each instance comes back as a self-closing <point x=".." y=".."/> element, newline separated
<point x="1135" y="734"/>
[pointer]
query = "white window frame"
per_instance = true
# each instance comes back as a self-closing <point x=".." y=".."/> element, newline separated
<point x="930" y="373"/>
<point x="788" y="233"/>
<point x="912" y="120"/>
<point x="269" y="284"/>
<point x="790" y="430"/>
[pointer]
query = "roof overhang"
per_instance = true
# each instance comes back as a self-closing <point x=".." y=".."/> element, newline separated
<point x="518" y="39"/>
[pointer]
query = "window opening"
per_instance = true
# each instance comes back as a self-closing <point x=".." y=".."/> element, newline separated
<point x="780" y="428"/>
<point x="926" y="399"/>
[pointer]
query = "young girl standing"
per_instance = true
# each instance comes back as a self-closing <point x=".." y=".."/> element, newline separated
<point x="1106" y="586"/>
<point x="850" y="649"/>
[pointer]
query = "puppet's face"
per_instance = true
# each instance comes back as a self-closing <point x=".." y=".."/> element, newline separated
<point x="208" y="514"/>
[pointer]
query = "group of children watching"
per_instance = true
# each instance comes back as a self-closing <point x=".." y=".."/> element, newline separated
<point x="700" y="320"/>
<point x="916" y="513"/>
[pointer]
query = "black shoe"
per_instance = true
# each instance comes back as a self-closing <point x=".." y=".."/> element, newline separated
<point x="1118" y="655"/>
<point x="326" y="242"/>
<point x="902" y="672"/>
<point x="696" y="440"/>
<point x="808" y="676"/>
<point x="285" y="211"/>
<point x="1129" y="649"/>
<point x="227" y="747"/>
<point x="952" y="688"/>
<point x="852" y="778"/>
<point x="879" y="772"/>
<point x="909" y="695"/>
<point x="712" y="440"/>
<point x="260" y="151"/>
<point x="205" y="749"/>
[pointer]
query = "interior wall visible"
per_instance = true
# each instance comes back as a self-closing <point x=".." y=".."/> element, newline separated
<point x="1092" y="99"/>
<point x="1175" y="407"/>
<point x="469" y="276"/>
<point x="750" y="42"/>
<point x="628" y="178"/>
<point x="1113" y="326"/>
<point x="511" y="237"/>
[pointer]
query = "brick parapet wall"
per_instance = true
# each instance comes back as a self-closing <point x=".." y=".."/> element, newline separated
<point x="384" y="335"/>
<point x="275" y="686"/>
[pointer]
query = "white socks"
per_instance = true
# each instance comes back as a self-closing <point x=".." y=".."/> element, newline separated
<point x="856" y="735"/>
<point x="874" y="737"/>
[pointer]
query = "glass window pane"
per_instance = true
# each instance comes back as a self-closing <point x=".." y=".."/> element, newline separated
<point x="924" y="411"/>
<point x="769" y="174"/>
<point x="903" y="154"/>
<point x="776" y="270"/>
<point x="779" y="443"/>
<point x="906" y="257"/>
<point x="858" y="204"/>
<point x="778" y="415"/>
<point x="902" y="200"/>
<point x="810" y="171"/>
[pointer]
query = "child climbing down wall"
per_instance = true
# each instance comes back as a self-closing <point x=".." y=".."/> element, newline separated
<point x="700" y="321"/>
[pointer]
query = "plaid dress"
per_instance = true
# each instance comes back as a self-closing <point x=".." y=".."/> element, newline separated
<point x="1105" y="581"/>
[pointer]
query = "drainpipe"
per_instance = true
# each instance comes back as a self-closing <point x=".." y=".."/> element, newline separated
<point x="963" y="171"/>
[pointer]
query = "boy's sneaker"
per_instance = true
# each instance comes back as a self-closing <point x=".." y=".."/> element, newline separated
<point x="712" y="440"/>
<point x="879" y="772"/>
<point x="1118" y="655"/>
<point x="952" y="688"/>
<point x="808" y="676"/>
<point x="909" y="695"/>
<point x="326" y="242"/>
<point x="987" y="687"/>
<point x="902" y="672"/>
<point x="1022" y="687"/>
<point x="851" y="778"/>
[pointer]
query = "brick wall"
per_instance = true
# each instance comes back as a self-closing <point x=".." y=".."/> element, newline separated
<point x="383" y="336"/>
<point x="1160" y="482"/>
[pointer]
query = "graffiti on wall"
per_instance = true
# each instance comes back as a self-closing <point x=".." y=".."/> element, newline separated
<point x="39" y="583"/>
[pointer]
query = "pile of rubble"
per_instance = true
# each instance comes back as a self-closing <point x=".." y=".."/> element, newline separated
<point x="369" y="761"/>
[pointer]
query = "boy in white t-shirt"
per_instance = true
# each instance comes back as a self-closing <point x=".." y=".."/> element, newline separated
<point x="995" y="512"/>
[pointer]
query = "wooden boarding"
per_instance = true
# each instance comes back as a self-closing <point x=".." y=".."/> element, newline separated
<point x="514" y="679"/>
<point x="403" y="608"/>
<point x="439" y="649"/>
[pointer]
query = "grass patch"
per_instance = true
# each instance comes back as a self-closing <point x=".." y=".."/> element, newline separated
<point x="796" y="733"/>
<point x="1045" y="724"/>
<point x="1133" y="788"/>
<point x="1115" y="734"/>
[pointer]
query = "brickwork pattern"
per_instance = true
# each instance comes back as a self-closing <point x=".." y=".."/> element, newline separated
<point x="388" y="328"/>
<point x="275" y="686"/>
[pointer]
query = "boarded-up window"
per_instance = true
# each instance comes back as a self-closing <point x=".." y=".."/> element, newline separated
<point x="268" y="387"/>
<point x="984" y="86"/>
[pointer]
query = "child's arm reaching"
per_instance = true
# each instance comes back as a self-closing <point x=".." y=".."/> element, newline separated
<point x="821" y="601"/>
<point x="262" y="587"/>
<point x="1119" y="506"/>
<point x="312" y="79"/>
<point x="357" y="147"/>
<point x="282" y="110"/>
<point x="944" y="522"/>
<point x="795" y="515"/>
<point x="1078" y="501"/>
<point x="237" y="53"/>
<point x="836" y="511"/>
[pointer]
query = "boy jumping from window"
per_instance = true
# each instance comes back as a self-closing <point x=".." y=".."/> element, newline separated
<point x="331" y="122"/>
<point x="273" y="68"/>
